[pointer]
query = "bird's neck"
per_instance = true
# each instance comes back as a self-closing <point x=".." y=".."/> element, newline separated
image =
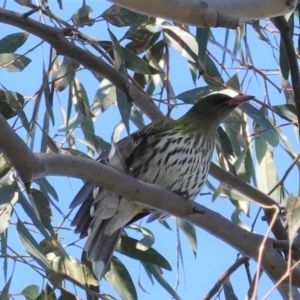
<point x="192" y="124"/>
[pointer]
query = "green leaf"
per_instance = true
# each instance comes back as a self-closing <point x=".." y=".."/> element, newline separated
<point x="121" y="17"/>
<point x="65" y="295"/>
<point x="47" y="294"/>
<point x="49" y="95"/>
<point x="225" y="142"/>
<point x="51" y="144"/>
<point x="82" y="16"/>
<point x="202" y="35"/>
<point x="286" y="111"/>
<point x="5" y="109"/>
<point x="283" y="59"/>
<point x="41" y="207"/>
<point x="118" y="53"/>
<point x="234" y="83"/>
<point x="14" y="62"/>
<point x="267" y="176"/>
<point x="73" y="123"/>
<point x="207" y="66"/>
<point x="261" y="145"/>
<point x="61" y="263"/>
<point x="182" y="41"/>
<point x="8" y="198"/>
<point x="31" y="246"/>
<point x="194" y="71"/>
<point x="142" y="38"/>
<point x="135" y="63"/>
<point x="31" y="292"/>
<point x="293" y="215"/>
<point x="46" y="187"/>
<point x="129" y="247"/>
<point x="117" y="132"/>
<point x="258" y="116"/>
<point x="190" y="232"/>
<point x="100" y="144"/>
<point x="93" y="286"/>
<point x="3" y="240"/>
<point x="228" y="290"/>
<point x="156" y="272"/>
<point x="148" y="237"/>
<point x="260" y="34"/>
<point x="235" y="218"/>
<point x="119" y="278"/>
<point x="124" y="106"/>
<point x="65" y="74"/>
<point x="28" y="209"/>
<point x="80" y="98"/>
<point x="17" y="106"/>
<point x="191" y="96"/>
<point x="136" y="117"/>
<point x="12" y="42"/>
<point x="212" y="75"/>
<point x="5" y="290"/>
<point x="104" y="99"/>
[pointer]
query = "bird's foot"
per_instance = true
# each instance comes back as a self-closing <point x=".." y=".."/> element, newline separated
<point x="196" y="210"/>
<point x="184" y="194"/>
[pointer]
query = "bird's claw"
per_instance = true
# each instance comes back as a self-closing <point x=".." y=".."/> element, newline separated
<point x="198" y="211"/>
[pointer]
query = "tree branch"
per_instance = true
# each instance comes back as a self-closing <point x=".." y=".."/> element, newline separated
<point x="192" y="12"/>
<point x="266" y="202"/>
<point x="56" y="38"/>
<point x="214" y="290"/>
<point x="153" y="196"/>
<point x="210" y="13"/>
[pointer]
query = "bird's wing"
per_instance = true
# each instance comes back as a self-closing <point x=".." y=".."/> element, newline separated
<point x="124" y="149"/>
<point x="103" y="213"/>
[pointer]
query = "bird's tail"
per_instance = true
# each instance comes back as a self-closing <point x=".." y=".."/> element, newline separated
<point x="101" y="218"/>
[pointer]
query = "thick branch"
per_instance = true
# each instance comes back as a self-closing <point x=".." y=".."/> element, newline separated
<point x="12" y="146"/>
<point x="192" y="12"/>
<point x="154" y="196"/>
<point x="210" y="13"/>
<point x="259" y="197"/>
<point x="56" y="38"/>
<point x="159" y="198"/>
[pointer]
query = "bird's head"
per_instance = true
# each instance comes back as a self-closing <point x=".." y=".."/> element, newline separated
<point x="211" y="110"/>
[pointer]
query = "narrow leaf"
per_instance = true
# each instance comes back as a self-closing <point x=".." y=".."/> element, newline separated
<point x="120" y="279"/>
<point x="31" y="246"/>
<point x="190" y="232"/>
<point x="14" y="62"/>
<point x="128" y="247"/>
<point x="12" y="42"/>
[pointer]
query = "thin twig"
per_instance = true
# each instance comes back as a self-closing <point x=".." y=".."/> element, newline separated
<point x="239" y="262"/>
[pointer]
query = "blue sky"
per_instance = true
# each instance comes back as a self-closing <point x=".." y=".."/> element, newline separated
<point x="214" y="256"/>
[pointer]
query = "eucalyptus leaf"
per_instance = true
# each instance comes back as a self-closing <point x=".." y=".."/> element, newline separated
<point x="129" y="247"/>
<point x="121" y="17"/>
<point x="14" y="62"/>
<point x="12" y="42"/>
<point x="120" y="279"/>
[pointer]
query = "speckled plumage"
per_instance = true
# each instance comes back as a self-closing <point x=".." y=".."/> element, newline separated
<point x="173" y="154"/>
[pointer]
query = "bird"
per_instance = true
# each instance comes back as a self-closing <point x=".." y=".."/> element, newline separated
<point x="175" y="154"/>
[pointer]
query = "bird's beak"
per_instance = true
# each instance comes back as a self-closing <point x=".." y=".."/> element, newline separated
<point x="239" y="99"/>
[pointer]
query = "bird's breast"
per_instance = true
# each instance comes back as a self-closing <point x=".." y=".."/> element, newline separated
<point x="177" y="162"/>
